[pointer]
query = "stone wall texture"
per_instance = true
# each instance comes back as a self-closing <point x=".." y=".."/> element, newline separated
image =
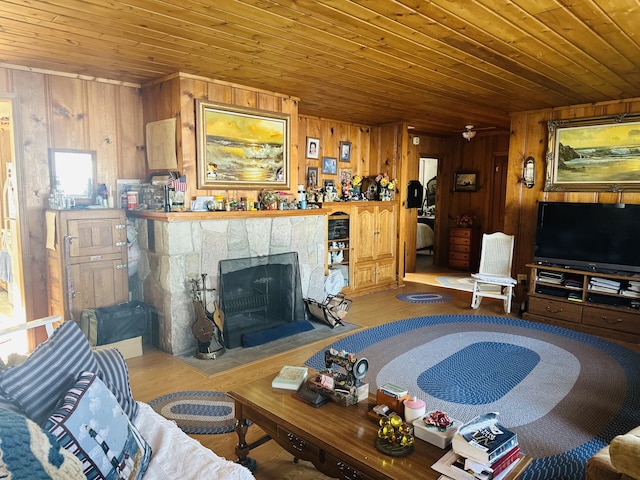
<point x="174" y="253"/>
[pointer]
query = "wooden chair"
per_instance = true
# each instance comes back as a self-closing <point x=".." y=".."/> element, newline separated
<point x="494" y="279"/>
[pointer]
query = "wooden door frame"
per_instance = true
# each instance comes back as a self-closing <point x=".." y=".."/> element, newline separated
<point x="498" y="189"/>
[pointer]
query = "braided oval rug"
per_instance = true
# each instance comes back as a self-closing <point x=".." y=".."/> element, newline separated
<point x="566" y="394"/>
<point x="198" y="412"/>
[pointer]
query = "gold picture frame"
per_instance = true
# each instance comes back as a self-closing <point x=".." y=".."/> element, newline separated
<point x="242" y="147"/>
<point x="465" y="181"/>
<point x="594" y="154"/>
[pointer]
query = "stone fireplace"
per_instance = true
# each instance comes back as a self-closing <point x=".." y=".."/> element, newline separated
<point x="259" y="294"/>
<point x="173" y="252"/>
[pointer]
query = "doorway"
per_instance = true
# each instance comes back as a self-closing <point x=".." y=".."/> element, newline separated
<point x="426" y="241"/>
<point x="12" y="305"/>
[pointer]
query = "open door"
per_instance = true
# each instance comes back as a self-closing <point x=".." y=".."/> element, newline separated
<point x="12" y="303"/>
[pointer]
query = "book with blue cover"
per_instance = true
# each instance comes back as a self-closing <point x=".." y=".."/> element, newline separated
<point x="483" y="439"/>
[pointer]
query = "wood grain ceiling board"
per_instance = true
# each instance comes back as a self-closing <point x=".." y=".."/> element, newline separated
<point x="438" y="65"/>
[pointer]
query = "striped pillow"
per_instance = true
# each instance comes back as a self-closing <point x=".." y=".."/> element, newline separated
<point x="40" y="382"/>
<point x="113" y="371"/>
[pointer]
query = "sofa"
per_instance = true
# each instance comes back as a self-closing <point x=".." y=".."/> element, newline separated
<point x="620" y="460"/>
<point x="68" y="412"/>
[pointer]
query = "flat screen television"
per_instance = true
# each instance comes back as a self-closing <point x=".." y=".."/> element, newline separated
<point x="590" y="236"/>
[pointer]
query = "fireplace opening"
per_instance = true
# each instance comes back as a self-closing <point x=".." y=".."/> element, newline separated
<point x="260" y="294"/>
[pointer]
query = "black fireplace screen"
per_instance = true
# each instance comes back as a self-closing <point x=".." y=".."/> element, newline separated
<point x="259" y="293"/>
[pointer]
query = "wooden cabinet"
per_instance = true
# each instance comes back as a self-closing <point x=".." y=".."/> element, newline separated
<point x="375" y="239"/>
<point x="596" y="303"/>
<point x="464" y="248"/>
<point x="339" y="245"/>
<point x="86" y="258"/>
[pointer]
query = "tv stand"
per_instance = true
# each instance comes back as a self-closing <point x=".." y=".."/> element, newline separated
<point x="584" y="300"/>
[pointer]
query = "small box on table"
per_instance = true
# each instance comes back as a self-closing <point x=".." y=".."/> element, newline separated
<point x="433" y="434"/>
<point x="394" y="403"/>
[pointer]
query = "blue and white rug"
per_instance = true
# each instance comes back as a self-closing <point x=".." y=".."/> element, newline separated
<point x="198" y="412"/>
<point x="566" y="394"/>
<point x="423" y="297"/>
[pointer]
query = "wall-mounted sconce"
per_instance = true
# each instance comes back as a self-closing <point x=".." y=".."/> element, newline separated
<point x="529" y="172"/>
<point x="469" y="133"/>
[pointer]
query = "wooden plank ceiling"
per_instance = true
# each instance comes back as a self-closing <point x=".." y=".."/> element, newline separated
<point x="439" y="65"/>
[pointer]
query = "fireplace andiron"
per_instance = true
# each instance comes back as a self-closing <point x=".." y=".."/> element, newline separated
<point x="208" y="326"/>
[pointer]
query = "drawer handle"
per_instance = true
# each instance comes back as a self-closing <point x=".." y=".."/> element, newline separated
<point x="120" y="244"/>
<point x="550" y="310"/>
<point x="612" y="321"/>
<point x="348" y="473"/>
<point x="296" y="442"/>
<point x="121" y="266"/>
<point x="120" y="226"/>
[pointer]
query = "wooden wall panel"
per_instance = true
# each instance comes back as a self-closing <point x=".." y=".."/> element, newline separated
<point x="68" y="114"/>
<point x="32" y="168"/>
<point x="331" y="133"/>
<point x="529" y="137"/>
<point x="102" y="131"/>
<point x="64" y="112"/>
<point x="175" y="96"/>
<point x="131" y="157"/>
<point x="6" y="84"/>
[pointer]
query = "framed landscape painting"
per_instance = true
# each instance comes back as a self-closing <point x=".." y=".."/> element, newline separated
<point x="594" y="154"/>
<point x="465" y="182"/>
<point x="241" y="147"/>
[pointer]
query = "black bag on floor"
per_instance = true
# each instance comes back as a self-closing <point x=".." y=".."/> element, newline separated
<point x="116" y="323"/>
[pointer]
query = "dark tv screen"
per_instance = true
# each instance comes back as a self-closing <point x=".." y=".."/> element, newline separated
<point x="593" y="236"/>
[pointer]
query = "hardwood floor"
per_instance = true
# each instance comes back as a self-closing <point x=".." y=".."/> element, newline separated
<point x="157" y="373"/>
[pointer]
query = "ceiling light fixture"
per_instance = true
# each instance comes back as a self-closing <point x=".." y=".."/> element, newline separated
<point x="470" y="133"/>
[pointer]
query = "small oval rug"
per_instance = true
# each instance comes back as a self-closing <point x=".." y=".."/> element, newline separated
<point x="423" y="297"/>
<point x="198" y="412"/>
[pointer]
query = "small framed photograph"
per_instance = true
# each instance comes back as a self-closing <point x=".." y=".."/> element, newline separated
<point x="328" y="185"/>
<point x="345" y="175"/>
<point x="465" y="182"/>
<point x="345" y="151"/>
<point x="313" y="147"/>
<point x="329" y="165"/>
<point x="312" y="177"/>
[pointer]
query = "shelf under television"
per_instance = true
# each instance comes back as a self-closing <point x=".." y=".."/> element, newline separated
<point x="610" y="314"/>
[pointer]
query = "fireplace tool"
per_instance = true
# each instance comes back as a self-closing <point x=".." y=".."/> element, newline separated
<point x="208" y="326"/>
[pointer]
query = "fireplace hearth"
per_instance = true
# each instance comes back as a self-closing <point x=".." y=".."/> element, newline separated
<point x="260" y="294"/>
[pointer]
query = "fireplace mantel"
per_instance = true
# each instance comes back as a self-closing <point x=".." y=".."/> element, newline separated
<point x="199" y="216"/>
<point x="178" y="246"/>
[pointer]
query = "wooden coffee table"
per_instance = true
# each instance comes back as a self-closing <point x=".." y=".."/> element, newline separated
<point x="338" y="440"/>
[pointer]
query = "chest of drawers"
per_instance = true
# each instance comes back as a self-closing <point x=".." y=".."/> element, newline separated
<point x="464" y="248"/>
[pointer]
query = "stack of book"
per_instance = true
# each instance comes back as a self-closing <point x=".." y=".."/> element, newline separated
<point x="482" y="449"/>
<point x="632" y="289"/>
<point x="604" y="285"/>
<point x="551" y="277"/>
<point x="394" y="390"/>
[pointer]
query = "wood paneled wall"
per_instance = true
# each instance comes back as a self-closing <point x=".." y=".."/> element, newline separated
<point x="65" y="112"/>
<point x="456" y="154"/>
<point x="529" y="137"/>
<point x="331" y="133"/>
<point x="174" y="97"/>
